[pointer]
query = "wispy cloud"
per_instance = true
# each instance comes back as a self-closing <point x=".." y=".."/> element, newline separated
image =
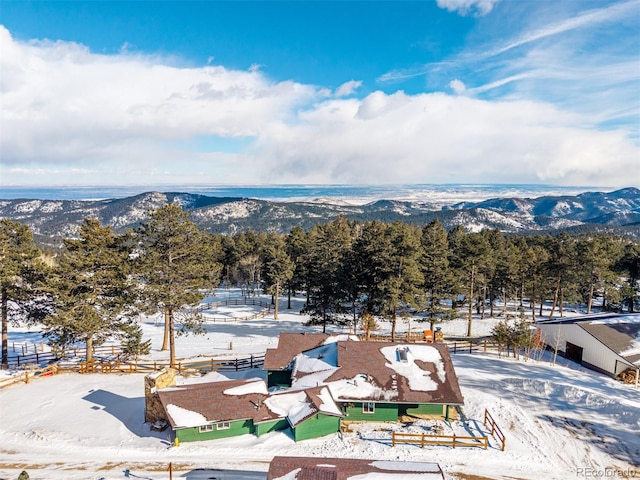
<point x="586" y="62"/>
<point x="584" y="19"/>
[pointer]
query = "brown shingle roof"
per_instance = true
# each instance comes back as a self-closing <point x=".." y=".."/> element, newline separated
<point x="344" y="468"/>
<point x="290" y="345"/>
<point x="209" y="400"/>
<point x="366" y="359"/>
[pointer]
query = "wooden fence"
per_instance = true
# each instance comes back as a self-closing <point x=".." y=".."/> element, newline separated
<point x="455" y="346"/>
<point x="495" y="430"/>
<point x="266" y="309"/>
<point x="38" y="358"/>
<point x="28" y="375"/>
<point x="197" y="367"/>
<point x="453" y="441"/>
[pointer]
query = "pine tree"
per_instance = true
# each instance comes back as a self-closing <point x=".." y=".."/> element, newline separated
<point x="561" y="266"/>
<point x="132" y="341"/>
<point x="90" y="288"/>
<point x="297" y="247"/>
<point x="22" y="274"/>
<point x="278" y="267"/>
<point x="371" y="262"/>
<point x="174" y="263"/>
<point x="596" y="255"/>
<point x="629" y="265"/>
<point x="469" y="256"/>
<point x="328" y="246"/>
<point x="434" y="264"/>
<point x="400" y="290"/>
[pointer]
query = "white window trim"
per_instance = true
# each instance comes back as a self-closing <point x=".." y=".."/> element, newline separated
<point x="223" y="425"/>
<point x="205" y="428"/>
<point x="368" y="408"/>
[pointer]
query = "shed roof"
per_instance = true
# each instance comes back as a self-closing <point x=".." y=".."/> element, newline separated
<point x="308" y="468"/>
<point x="620" y="333"/>
<point x="621" y="336"/>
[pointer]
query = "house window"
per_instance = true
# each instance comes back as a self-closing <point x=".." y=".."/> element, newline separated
<point x="223" y="426"/>
<point x="369" y="407"/>
<point x="205" y="428"/>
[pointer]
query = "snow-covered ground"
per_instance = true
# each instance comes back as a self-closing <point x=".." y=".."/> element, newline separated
<point x="560" y="421"/>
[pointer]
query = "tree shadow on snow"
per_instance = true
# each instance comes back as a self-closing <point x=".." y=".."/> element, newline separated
<point x="129" y="411"/>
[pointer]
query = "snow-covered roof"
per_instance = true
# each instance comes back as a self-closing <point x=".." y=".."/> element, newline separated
<point x="198" y="404"/>
<point x="293" y="468"/>
<point x="374" y="371"/>
<point x="297" y="406"/>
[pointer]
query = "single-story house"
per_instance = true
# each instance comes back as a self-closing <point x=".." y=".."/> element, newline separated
<point x="371" y="381"/>
<point x="219" y="409"/>
<point x="349" y="468"/>
<point x="607" y="343"/>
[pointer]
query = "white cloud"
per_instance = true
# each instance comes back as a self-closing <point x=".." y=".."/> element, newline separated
<point x="479" y="7"/>
<point x="348" y="88"/>
<point x="457" y="86"/>
<point x="441" y="138"/>
<point x="70" y="116"/>
<point x="63" y="103"/>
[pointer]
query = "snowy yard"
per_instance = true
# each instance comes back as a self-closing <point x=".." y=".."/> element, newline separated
<point x="560" y="421"/>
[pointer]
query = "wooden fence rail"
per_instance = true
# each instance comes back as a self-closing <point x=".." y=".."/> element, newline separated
<point x="39" y="358"/>
<point x="28" y="375"/>
<point x="454" y="441"/>
<point x="198" y="367"/>
<point x="266" y="309"/>
<point x="495" y="429"/>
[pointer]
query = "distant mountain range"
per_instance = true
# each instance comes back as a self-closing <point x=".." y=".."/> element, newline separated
<point x="617" y="211"/>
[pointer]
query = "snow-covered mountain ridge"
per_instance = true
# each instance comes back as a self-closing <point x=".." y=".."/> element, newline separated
<point x="615" y="211"/>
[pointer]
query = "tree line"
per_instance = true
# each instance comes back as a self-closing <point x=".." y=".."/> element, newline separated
<point x="348" y="270"/>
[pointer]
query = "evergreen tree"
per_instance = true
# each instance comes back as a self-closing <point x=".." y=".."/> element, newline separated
<point x="328" y="246"/>
<point x="629" y="265"/>
<point x="596" y="256"/>
<point x="174" y="263"/>
<point x="297" y="247"/>
<point x="278" y="267"/>
<point x="22" y="274"/>
<point x="436" y="272"/>
<point x="532" y="270"/>
<point x="132" y="342"/>
<point x="400" y="289"/>
<point x="91" y="289"/>
<point x="371" y="263"/>
<point x="469" y="256"/>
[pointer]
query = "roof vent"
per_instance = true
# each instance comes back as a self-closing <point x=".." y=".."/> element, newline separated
<point x="402" y="354"/>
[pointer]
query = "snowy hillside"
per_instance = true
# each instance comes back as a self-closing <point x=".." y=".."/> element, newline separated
<point x="618" y="210"/>
<point x="560" y="421"/>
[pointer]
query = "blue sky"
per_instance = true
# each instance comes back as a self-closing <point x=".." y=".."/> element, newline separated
<point x="375" y="92"/>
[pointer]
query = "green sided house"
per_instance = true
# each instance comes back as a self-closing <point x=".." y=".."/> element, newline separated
<point x="220" y="409"/>
<point x="371" y="381"/>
